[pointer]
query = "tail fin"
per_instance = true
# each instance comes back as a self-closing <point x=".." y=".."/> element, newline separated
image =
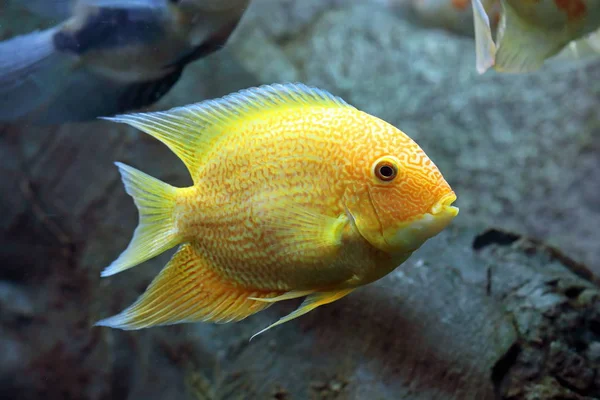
<point x="523" y="47"/>
<point x="156" y="231"/>
<point x="31" y="70"/>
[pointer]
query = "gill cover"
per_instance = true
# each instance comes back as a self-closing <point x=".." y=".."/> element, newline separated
<point x="362" y="212"/>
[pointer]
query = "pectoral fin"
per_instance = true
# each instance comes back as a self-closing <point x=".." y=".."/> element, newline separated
<point x="302" y="231"/>
<point x="310" y="303"/>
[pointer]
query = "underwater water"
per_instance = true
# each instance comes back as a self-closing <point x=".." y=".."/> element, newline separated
<point x="503" y="303"/>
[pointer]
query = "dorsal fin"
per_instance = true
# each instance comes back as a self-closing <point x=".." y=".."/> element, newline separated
<point x="190" y="130"/>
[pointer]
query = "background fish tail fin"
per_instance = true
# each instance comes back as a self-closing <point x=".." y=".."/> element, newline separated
<point x="156" y="231"/>
<point x="522" y="47"/>
<point x="29" y="67"/>
<point x="189" y="290"/>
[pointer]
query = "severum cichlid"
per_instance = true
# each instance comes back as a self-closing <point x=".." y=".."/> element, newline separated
<point x="108" y="56"/>
<point x="295" y="193"/>
<point x="530" y="31"/>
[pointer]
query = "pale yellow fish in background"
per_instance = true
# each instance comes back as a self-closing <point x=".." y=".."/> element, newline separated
<point x="295" y="193"/>
<point x="530" y="32"/>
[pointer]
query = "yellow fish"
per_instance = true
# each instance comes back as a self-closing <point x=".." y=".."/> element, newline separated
<point x="295" y="193"/>
<point x="531" y="31"/>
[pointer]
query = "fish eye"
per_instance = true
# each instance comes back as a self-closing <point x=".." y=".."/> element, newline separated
<point x="385" y="170"/>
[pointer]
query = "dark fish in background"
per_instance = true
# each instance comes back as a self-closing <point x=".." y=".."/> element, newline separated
<point x="108" y="56"/>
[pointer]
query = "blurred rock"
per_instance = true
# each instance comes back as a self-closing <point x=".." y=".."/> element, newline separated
<point x="15" y="304"/>
<point x="13" y="356"/>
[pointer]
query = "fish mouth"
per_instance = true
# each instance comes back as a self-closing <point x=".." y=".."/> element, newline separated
<point x="445" y="205"/>
<point x="410" y="235"/>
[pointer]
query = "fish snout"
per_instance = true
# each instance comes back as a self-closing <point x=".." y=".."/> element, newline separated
<point x="412" y="234"/>
<point x="444" y="205"/>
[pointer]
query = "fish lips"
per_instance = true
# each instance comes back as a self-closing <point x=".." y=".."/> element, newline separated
<point x="410" y="235"/>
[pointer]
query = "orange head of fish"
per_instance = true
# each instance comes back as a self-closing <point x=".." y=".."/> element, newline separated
<point x="398" y="198"/>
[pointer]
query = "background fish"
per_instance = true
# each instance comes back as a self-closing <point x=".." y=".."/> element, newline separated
<point x="453" y="15"/>
<point x="108" y="56"/>
<point x="584" y="48"/>
<point x="296" y="193"/>
<point x="531" y="32"/>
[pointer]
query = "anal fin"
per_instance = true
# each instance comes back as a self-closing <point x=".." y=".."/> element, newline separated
<point x="189" y="290"/>
<point x="310" y="303"/>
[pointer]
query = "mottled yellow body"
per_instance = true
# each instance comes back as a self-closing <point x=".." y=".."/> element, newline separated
<point x="290" y="197"/>
<point x="303" y="157"/>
